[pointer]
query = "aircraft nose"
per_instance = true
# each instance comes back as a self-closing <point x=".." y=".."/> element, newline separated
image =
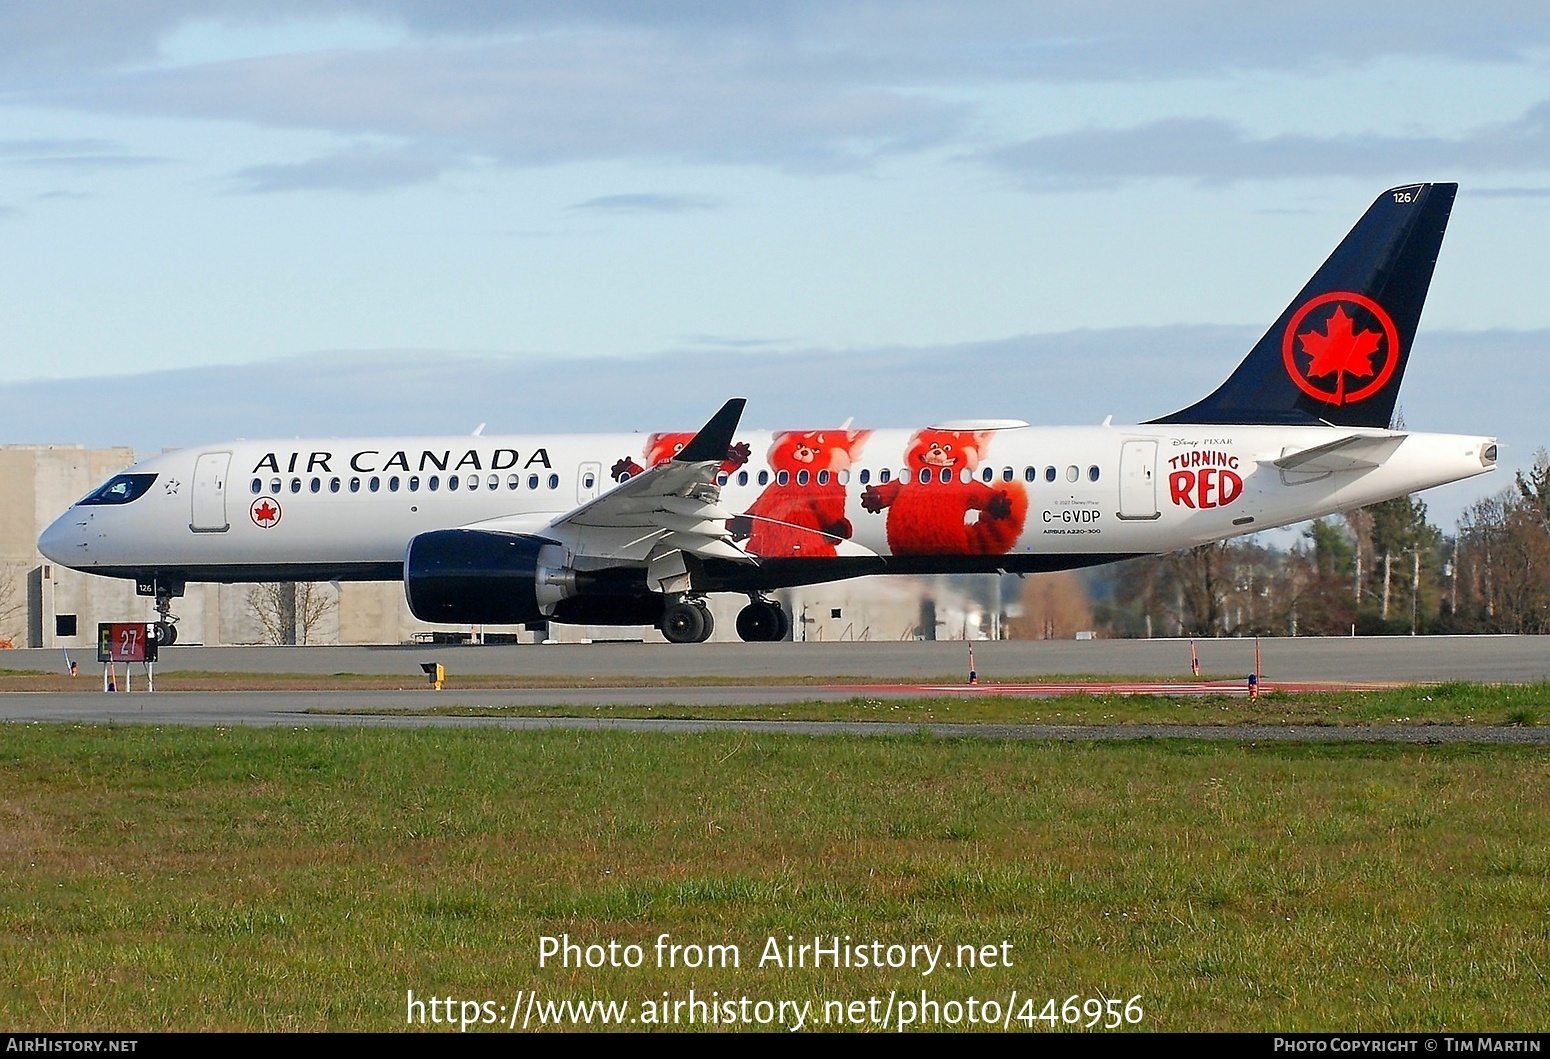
<point x="58" y="541"/>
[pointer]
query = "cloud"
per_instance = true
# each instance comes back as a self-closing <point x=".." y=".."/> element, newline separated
<point x="362" y="171"/>
<point x="1213" y="151"/>
<point x="800" y="85"/>
<point x="71" y="154"/>
<point x="544" y="101"/>
<point x="648" y="202"/>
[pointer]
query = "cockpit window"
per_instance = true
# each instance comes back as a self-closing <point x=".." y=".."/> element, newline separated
<point x="120" y="489"/>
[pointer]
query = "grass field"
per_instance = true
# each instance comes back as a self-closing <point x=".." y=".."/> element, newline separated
<point x="264" y="879"/>
<point x="1505" y="704"/>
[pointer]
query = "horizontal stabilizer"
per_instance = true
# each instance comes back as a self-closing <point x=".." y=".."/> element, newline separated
<point x="1358" y="452"/>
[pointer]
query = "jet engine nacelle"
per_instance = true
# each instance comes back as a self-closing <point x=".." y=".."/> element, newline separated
<point x="482" y="577"/>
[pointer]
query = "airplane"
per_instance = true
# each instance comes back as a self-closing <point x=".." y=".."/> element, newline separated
<point x="610" y="530"/>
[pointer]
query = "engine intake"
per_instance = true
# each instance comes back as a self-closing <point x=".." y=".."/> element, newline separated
<point x="481" y="577"/>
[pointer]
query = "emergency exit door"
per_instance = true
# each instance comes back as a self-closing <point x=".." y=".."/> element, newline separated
<point x="1138" y="480"/>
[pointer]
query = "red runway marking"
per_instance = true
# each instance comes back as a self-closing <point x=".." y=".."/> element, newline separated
<point x="1211" y="687"/>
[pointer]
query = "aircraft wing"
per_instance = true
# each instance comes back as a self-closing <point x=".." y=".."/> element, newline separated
<point x="673" y="507"/>
<point x="1355" y="452"/>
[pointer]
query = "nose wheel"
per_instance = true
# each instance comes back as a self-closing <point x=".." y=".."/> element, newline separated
<point x="763" y="621"/>
<point x="687" y="621"/>
<point x="166" y="624"/>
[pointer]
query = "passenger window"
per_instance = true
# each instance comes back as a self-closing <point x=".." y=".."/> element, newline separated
<point x="274" y="485"/>
<point x="844" y="477"/>
<point x="316" y="485"/>
<point x="823" y="477"/>
<point x="393" y="484"/>
<point x="554" y="481"/>
<point x="532" y="481"/>
<point x="764" y="477"/>
<point x="1092" y="474"/>
<point x="782" y="477"/>
<point x="1072" y="474"/>
<point x="588" y="482"/>
<point x="721" y="478"/>
<point x="883" y="475"/>
<point x="925" y="475"/>
<point x="1006" y="474"/>
<point x="1030" y="474"/>
<point x="473" y="481"/>
<point x="802" y="476"/>
<point x="494" y="482"/>
<point x="989" y="474"/>
<point x="433" y="483"/>
<point x="355" y="485"/>
<point x="414" y="483"/>
<point x="1049" y="474"/>
<point x="453" y="482"/>
<point x="742" y="477"/>
<point x="866" y="475"/>
<point x="513" y="480"/>
<point x="258" y="485"/>
<point x="295" y="485"/>
<point x="333" y="485"/>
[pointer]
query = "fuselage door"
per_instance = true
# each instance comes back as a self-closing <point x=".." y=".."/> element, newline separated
<point x="1138" y="480"/>
<point x="588" y="481"/>
<point x="209" y="493"/>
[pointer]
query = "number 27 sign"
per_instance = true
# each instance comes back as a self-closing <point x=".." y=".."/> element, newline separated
<point x="125" y="642"/>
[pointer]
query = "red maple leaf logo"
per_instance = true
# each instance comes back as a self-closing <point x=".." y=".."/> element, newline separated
<point x="1340" y="347"/>
<point x="265" y="513"/>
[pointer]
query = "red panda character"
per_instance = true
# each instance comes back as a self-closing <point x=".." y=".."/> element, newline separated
<point x="803" y="515"/>
<point x="662" y="447"/>
<point x="929" y="514"/>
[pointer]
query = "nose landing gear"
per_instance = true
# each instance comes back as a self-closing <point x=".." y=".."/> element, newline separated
<point x="763" y="621"/>
<point x="166" y="624"/>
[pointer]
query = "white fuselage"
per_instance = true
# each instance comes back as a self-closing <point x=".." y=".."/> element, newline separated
<point x="348" y="508"/>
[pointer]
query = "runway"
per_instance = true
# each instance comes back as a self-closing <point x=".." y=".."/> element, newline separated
<point x="1405" y="659"/>
<point x="767" y="675"/>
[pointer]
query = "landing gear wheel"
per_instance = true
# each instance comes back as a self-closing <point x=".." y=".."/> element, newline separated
<point x="687" y="623"/>
<point x="762" y="621"/>
<point x="166" y="634"/>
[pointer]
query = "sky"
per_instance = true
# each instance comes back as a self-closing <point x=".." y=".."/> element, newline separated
<point x="650" y="203"/>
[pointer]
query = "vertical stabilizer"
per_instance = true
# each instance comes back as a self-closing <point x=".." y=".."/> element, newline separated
<point x="1337" y="353"/>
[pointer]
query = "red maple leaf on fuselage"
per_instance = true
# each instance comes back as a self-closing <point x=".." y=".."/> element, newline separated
<point x="1340" y="347"/>
<point x="265" y="513"/>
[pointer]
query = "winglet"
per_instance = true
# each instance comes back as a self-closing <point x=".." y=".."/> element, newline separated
<point x="715" y="437"/>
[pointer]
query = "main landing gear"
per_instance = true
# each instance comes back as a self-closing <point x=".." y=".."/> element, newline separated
<point x="763" y="621"/>
<point x="687" y="621"/>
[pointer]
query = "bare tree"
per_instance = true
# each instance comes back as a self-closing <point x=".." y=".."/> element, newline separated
<point x="289" y="612"/>
<point x="314" y="602"/>
<point x="274" y="607"/>
<point x="13" y="603"/>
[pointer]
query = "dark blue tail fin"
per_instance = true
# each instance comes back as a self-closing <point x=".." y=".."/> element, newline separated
<point x="1337" y="354"/>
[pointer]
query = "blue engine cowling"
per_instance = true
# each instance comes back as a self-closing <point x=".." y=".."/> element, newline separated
<point x="483" y="577"/>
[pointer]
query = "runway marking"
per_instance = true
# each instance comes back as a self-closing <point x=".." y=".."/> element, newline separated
<point x="1231" y="688"/>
